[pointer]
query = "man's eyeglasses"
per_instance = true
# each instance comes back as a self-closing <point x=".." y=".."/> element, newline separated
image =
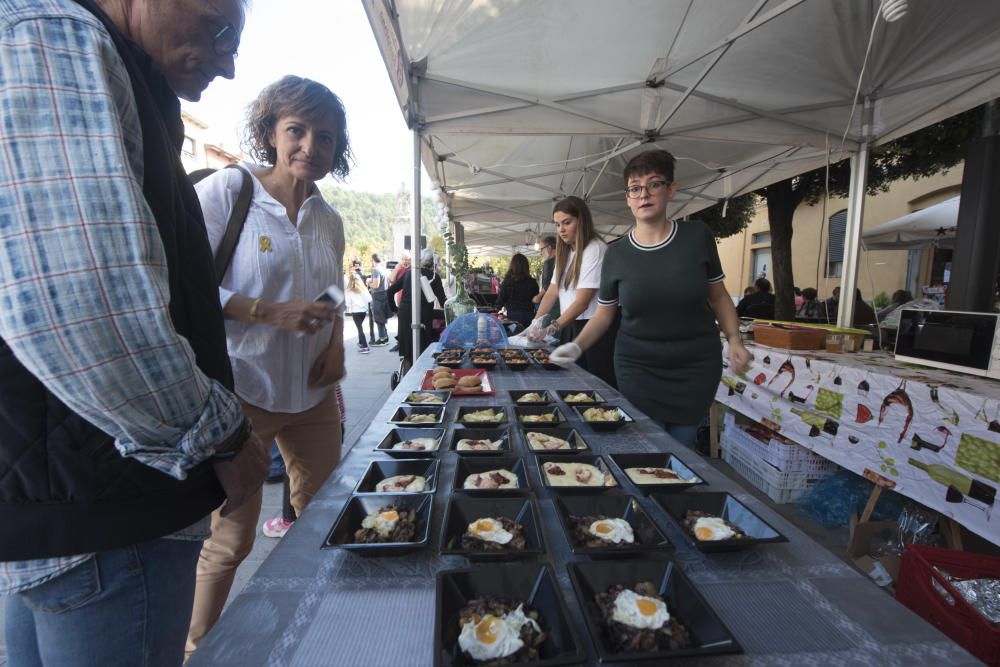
<point x="225" y="42"/>
<point x="635" y="191"/>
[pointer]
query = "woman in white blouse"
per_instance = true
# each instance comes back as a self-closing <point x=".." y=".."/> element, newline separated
<point x="577" y="277"/>
<point x="287" y="351"/>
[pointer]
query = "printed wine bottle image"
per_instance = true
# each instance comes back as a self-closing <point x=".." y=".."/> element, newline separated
<point x="942" y="474"/>
<point x="817" y="421"/>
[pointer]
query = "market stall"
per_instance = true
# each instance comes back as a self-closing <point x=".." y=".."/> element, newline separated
<point x="787" y="602"/>
<point x="931" y="435"/>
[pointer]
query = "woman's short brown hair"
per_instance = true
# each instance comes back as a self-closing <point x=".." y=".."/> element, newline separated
<point x="656" y="161"/>
<point x="302" y="97"/>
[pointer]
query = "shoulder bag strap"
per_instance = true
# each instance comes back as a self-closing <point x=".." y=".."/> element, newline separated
<point x="224" y="255"/>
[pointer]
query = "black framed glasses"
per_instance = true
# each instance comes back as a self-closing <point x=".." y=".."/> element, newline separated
<point x="226" y="41"/>
<point x="635" y="191"/>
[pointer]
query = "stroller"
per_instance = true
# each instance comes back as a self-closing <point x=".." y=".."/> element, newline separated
<point x="437" y="328"/>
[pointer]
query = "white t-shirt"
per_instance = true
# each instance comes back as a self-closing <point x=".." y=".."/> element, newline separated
<point x="590" y="278"/>
<point x="277" y="261"/>
<point x="357" y="302"/>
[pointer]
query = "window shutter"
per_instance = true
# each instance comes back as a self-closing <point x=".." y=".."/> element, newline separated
<point x="837" y="233"/>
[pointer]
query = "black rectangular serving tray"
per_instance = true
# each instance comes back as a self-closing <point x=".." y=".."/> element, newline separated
<point x="594" y="460"/>
<point x="462" y="511"/>
<point x="563" y="393"/>
<point x="603" y="425"/>
<point x="381" y="469"/>
<point x="466" y="466"/>
<point x="532" y="583"/>
<point x="722" y="504"/>
<point x="658" y="460"/>
<point x="402" y="412"/>
<point x="518" y="393"/>
<point x="444" y="395"/>
<point x="466" y="409"/>
<point x="398" y="435"/>
<point x="356" y="508"/>
<point x="648" y="536"/>
<point x="521" y="410"/>
<point x="709" y="634"/>
<point x="501" y="433"/>
<point x="577" y="444"/>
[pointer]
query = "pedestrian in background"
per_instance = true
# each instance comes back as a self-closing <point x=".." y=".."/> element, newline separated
<point x="358" y="301"/>
<point x="378" y="283"/>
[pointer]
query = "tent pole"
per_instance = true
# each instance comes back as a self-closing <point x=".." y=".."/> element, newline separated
<point x="416" y="293"/>
<point x="855" y="215"/>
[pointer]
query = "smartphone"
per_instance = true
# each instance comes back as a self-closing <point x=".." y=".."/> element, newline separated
<point x="332" y="295"/>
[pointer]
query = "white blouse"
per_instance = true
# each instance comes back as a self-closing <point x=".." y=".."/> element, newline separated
<point x="590" y="278"/>
<point x="277" y="261"/>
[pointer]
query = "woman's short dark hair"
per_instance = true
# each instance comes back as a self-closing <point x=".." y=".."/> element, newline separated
<point x="810" y="293"/>
<point x="657" y="161"/>
<point x="301" y="97"/>
<point x="763" y="285"/>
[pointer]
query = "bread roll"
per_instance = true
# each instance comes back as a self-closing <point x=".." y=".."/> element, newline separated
<point x="444" y="383"/>
<point x="470" y="381"/>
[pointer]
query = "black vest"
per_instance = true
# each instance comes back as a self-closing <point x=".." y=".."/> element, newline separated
<point x="64" y="488"/>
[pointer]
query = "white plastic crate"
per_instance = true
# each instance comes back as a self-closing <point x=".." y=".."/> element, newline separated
<point x="783" y="456"/>
<point x="780" y="486"/>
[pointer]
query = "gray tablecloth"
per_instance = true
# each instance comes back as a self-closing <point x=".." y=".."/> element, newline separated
<point x="787" y="604"/>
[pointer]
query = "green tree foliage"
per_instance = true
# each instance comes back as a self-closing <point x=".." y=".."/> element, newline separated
<point x="369" y="218"/>
<point x="737" y="215"/>
<point x="923" y="153"/>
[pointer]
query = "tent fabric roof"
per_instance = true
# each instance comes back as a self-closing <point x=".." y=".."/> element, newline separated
<point x="520" y="103"/>
<point x="931" y="226"/>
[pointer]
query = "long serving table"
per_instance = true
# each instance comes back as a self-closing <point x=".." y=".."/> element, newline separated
<point x="913" y="429"/>
<point x="792" y="603"/>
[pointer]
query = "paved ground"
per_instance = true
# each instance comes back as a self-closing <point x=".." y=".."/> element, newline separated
<point x="365" y="391"/>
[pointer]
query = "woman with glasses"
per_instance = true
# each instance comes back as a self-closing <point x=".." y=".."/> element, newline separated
<point x="577" y="277"/>
<point x="287" y="349"/>
<point x="667" y="279"/>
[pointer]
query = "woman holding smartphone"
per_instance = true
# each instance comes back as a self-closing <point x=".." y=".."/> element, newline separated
<point x="667" y="279"/>
<point x="286" y="347"/>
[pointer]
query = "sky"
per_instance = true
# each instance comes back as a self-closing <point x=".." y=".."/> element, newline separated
<point x="329" y="41"/>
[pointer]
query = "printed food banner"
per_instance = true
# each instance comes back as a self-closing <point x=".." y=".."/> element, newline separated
<point x="929" y="434"/>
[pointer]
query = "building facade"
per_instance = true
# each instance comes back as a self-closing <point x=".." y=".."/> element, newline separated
<point x="200" y="150"/>
<point x="817" y="243"/>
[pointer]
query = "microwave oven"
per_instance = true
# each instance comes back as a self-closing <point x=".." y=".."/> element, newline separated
<point x="953" y="340"/>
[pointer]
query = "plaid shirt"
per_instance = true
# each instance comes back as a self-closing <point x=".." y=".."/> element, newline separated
<point x="83" y="275"/>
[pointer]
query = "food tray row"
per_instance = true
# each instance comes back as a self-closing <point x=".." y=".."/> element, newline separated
<point x="514" y="359"/>
<point x="622" y="513"/>
<point x="633" y="467"/>
<point x="604" y="417"/>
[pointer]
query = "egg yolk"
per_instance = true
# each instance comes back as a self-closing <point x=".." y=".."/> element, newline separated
<point x="488" y="629"/>
<point x="391" y="515"/>
<point x="484" y="526"/>
<point x="603" y="528"/>
<point x="645" y="607"/>
<point x="704" y="533"/>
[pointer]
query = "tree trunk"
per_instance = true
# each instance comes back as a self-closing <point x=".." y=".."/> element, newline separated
<point x="782" y="200"/>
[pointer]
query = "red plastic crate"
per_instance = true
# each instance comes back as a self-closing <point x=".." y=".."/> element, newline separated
<point x="958" y="620"/>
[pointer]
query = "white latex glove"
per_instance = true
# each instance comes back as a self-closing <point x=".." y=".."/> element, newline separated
<point x="536" y="331"/>
<point x="564" y="355"/>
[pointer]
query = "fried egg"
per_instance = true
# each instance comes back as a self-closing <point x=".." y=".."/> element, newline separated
<point x="495" y="636"/>
<point x="640" y="611"/>
<point x="613" y="530"/>
<point x="489" y="530"/>
<point x="382" y="522"/>
<point x="712" y="529"/>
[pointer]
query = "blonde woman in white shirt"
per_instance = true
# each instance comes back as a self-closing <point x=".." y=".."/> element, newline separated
<point x="287" y="351"/>
<point x="357" y="300"/>
<point x="577" y="278"/>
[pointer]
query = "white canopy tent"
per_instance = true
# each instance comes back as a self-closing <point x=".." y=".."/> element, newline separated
<point x="519" y="103"/>
<point x="934" y="226"/>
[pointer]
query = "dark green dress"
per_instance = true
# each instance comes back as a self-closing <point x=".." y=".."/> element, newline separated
<point x="668" y="356"/>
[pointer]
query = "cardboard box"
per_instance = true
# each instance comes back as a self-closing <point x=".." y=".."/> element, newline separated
<point x="865" y="539"/>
